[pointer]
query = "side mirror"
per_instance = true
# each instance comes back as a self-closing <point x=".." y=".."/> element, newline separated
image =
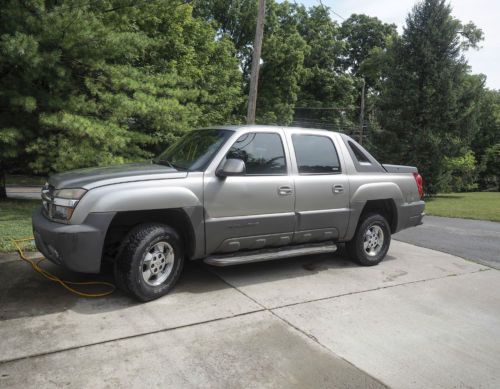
<point x="232" y="167"/>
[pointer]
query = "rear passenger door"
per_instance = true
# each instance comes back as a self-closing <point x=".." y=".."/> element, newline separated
<point x="321" y="187"/>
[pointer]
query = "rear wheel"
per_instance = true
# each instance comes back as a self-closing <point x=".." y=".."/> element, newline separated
<point x="150" y="261"/>
<point x="371" y="241"/>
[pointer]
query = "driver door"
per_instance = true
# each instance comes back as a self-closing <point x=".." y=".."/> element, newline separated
<point x="256" y="209"/>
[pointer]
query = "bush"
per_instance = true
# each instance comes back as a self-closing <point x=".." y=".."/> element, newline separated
<point x="490" y="166"/>
<point x="460" y="173"/>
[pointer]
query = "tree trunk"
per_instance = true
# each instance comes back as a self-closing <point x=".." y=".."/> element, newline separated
<point x="3" y="190"/>
<point x="362" y="112"/>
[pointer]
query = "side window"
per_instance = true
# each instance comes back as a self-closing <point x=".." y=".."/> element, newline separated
<point x="315" y="154"/>
<point x="360" y="156"/>
<point x="262" y="153"/>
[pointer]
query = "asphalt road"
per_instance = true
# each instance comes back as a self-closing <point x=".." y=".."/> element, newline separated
<point x="24" y="192"/>
<point x="477" y="240"/>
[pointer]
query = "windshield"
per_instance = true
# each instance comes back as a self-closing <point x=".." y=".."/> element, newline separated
<point x="195" y="150"/>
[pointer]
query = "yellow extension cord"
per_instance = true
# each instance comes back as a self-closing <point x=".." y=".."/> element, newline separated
<point x="35" y="264"/>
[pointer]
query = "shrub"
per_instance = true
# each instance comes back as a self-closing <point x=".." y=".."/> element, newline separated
<point x="460" y="173"/>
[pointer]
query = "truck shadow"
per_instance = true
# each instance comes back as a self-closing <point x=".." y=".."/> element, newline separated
<point x="25" y="293"/>
<point x="297" y="267"/>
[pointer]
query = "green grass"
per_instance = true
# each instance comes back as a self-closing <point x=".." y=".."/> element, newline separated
<point x="473" y="205"/>
<point x="17" y="179"/>
<point x="15" y="222"/>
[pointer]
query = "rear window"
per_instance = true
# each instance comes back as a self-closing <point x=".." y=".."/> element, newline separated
<point x="315" y="154"/>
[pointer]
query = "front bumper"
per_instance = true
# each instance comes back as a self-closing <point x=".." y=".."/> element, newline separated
<point x="77" y="247"/>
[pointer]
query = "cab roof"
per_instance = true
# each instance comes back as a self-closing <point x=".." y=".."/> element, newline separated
<point x="243" y="127"/>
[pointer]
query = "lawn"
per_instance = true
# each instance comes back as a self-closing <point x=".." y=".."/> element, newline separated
<point x="473" y="205"/>
<point x="15" y="222"/>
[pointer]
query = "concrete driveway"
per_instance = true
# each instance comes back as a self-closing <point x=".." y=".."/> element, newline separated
<point x="421" y="318"/>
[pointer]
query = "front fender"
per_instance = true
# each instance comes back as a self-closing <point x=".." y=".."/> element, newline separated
<point x="134" y="197"/>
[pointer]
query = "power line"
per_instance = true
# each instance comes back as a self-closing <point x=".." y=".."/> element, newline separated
<point x="325" y="108"/>
<point x="330" y="10"/>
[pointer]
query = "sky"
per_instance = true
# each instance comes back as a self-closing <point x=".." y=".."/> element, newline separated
<point x="485" y="14"/>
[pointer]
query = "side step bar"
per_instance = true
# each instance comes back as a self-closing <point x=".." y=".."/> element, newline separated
<point x="270" y="254"/>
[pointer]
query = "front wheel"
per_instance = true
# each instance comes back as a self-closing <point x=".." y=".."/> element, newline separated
<point x="371" y="241"/>
<point x="150" y="261"/>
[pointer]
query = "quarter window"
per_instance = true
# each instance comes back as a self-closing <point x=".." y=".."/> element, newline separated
<point x="262" y="153"/>
<point x="315" y="154"/>
<point x="360" y="156"/>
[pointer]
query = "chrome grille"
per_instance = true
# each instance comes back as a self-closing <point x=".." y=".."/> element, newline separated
<point x="48" y="200"/>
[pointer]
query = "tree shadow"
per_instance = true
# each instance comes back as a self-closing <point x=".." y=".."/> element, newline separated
<point x="25" y="293"/>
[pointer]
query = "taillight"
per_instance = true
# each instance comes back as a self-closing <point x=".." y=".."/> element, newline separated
<point x="420" y="186"/>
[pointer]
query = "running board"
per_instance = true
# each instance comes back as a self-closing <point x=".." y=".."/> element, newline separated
<point x="270" y="254"/>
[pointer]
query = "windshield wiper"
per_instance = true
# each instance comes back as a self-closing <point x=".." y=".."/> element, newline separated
<point x="166" y="162"/>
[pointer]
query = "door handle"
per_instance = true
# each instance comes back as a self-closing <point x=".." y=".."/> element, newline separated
<point x="285" y="190"/>
<point x="338" y="188"/>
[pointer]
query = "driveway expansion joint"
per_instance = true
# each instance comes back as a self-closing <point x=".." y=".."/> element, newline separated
<point x="303" y="333"/>
<point x="263" y="308"/>
<point x="312" y="337"/>
<point x="381" y="288"/>
<point x="128" y="337"/>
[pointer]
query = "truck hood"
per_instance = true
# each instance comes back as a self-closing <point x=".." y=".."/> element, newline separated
<point x="98" y="176"/>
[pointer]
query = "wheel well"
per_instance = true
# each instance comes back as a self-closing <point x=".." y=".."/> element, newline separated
<point x="123" y="222"/>
<point x="386" y="208"/>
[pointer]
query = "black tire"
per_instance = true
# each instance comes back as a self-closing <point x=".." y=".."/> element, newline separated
<point x="130" y="263"/>
<point x="355" y="247"/>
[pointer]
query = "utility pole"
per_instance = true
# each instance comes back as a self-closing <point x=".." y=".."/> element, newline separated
<point x="257" y="48"/>
<point x="362" y="111"/>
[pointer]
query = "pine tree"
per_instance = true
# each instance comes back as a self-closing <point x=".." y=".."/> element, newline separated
<point x="93" y="83"/>
<point x="429" y="103"/>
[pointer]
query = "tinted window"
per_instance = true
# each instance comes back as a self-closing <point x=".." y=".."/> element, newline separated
<point x="315" y="154"/>
<point x="195" y="150"/>
<point x="262" y="153"/>
<point x="360" y="156"/>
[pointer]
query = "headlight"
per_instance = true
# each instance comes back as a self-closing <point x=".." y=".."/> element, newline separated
<point x="64" y="203"/>
<point x="73" y="193"/>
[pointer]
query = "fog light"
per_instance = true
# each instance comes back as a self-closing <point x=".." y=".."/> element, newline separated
<point x="62" y="213"/>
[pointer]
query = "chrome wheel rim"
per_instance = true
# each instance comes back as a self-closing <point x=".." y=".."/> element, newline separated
<point x="373" y="240"/>
<point x="157" y="263"/>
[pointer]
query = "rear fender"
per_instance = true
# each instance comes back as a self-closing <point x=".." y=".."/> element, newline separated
<point x="372" y="191"/>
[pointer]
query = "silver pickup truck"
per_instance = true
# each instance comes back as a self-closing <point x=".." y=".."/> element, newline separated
<point x="227" y="195"/>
